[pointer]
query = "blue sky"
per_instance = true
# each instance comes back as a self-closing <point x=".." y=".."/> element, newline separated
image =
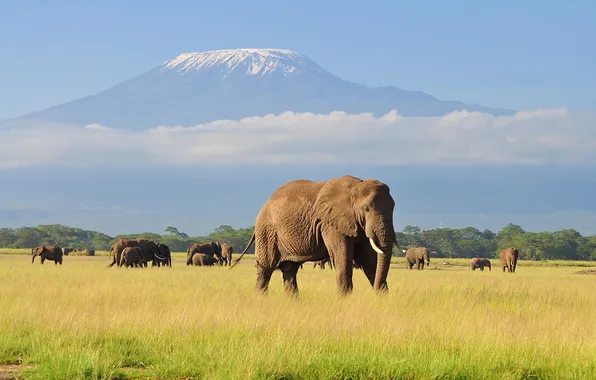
<point x="520" y="55"/>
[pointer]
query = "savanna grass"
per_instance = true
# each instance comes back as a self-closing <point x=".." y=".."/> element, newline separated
<point x="85" y="321"/>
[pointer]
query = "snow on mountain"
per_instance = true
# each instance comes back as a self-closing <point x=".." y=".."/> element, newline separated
<point x="195" y="88"/>
<point x="257" y="62"/>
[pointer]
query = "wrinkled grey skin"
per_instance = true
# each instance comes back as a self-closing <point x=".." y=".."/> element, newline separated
<point x="202" y="260"/>
<point x="210" y="249"/>
<point x="417" y="256"/>
<point x="132" y="256"/>
<point x="226" y="253"/>
<point x="345" y="218"/>
<point x="47" y="252"/>
<point x="508" y="258"/>
<point x="479" y="263"/>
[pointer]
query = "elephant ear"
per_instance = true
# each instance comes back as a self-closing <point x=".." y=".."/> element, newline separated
<point x="334" y="205"/>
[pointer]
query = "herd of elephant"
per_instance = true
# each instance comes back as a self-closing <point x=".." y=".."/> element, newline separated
<point x="418" y="256"/>
<point x="507" y="257"/>
<point x="345" y="221"/>
<point x="139" y="252"/>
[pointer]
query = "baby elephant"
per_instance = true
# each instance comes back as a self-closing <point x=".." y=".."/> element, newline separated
<point x="479" y="263"/>
<point x="132" y="256"/>
<point x="201" y="260"/>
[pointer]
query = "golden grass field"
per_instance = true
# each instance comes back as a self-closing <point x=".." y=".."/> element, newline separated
<point x="82" y="320"/>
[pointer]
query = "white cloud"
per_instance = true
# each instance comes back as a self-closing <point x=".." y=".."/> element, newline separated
<point x="528" y="137"/>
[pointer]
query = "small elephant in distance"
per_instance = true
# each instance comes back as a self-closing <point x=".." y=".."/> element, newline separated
<point x="132" y="256"/>
<point x="166" y="256"/>
<point x="417" y="256"/>
<point x="321" y="263"/>
<point x="480" y="263"/>
<point x="508" y="258"/>
<point x="202" y="260"/>
<point x="47" y="252"/>
<point x="226" y="253"/>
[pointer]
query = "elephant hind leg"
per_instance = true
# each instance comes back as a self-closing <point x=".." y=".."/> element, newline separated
<point x="263" y="278"/>
<point x="289" y="271"/>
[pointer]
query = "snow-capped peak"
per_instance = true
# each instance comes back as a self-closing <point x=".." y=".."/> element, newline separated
<point x="257" y="62"/>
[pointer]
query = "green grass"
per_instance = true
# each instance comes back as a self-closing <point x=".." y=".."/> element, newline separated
<point x="82" y="320"/>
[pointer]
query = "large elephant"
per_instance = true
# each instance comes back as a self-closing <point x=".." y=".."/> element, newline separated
<point x="148" y="248"/>
<point x="508" y="257"/>
<point x="202" y="260"/>
<point x="47" y="252"/>
<point x="479" y="263"/>
<point x="418" y="256"/>
<point x="226" y="253"/>
<point x="210" y="249"/>
<point x="164" y="251"/>
<point x="132" y="256"/>
<point x="345" y="218"/>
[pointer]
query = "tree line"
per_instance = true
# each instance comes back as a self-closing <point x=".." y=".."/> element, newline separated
<point x="64" y="236"/>
<point x="443" y="242"/>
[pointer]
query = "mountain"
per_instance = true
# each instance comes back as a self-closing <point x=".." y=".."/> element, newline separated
<point x="195" y="88"/>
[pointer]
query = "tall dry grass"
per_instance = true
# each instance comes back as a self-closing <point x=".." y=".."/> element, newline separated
<point x="83" y="320"/>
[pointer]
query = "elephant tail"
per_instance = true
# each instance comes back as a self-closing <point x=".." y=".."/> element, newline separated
<point x="398" y="247"/>
<point x="252" y="240"/>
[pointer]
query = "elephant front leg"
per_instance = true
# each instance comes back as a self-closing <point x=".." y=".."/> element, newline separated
<point x="342" y="249"/>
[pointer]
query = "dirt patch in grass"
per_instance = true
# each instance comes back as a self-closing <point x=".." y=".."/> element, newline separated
<point x="9" y="371"/>
<point x="587" y="271"/>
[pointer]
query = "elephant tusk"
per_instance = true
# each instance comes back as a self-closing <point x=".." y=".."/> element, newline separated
<point x="158" y="257"/>
<point x="375" y="247"/>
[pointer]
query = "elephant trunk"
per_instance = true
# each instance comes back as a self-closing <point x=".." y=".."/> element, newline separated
<point x="381" y="239"/>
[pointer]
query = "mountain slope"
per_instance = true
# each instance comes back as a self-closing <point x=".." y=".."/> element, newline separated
<point x="195" y="88"/>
